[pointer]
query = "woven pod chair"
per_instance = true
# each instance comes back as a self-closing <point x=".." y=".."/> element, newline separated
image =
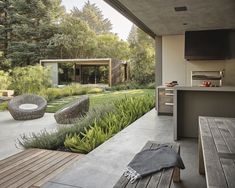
<point x="14" y="107"/>
<point x="72" y="111"/>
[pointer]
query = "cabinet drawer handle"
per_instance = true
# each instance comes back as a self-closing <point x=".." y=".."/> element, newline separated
<point x="169" y="94"/>
<point x="169" y="104"/>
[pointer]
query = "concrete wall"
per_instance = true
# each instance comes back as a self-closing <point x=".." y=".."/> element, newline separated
<point x="54" y="72"/>
<point x="175" y="67"/>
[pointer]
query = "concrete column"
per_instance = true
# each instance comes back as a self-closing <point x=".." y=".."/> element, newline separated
<point x="158" y="67"/>
<point x="54" y="72"/>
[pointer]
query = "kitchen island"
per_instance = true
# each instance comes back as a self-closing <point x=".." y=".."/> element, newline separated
<point x="192" y="102"/>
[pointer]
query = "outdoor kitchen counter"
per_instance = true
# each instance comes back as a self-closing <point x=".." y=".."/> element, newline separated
<point x="192" y="102"/>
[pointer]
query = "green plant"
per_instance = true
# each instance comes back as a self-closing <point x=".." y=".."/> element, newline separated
<point x="96" y="127"/>
<point x="5" y="80"/>
<point x="5" y="64"/>
<point x="94" y="90"/>
<point x="3" y="106"/>
<point x="126" y="111"/>
<point x="30" y="79"/>
<point x="89" y="140"/>
<point x="55" y="140"/>
<point x="131" y="85"/>
<point x="74" y="89"/>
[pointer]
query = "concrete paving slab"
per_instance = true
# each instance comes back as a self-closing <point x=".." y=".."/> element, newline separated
<point x="10" y="131"/>
<point x="102" y="167"/>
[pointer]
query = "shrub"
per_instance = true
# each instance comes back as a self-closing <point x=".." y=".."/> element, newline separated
<point x="93" y="129"/>
<point x="126" y="111"/>
<point x="70" y="90"/>
<point x="5" y="64"/>
<point x="91" y="138"/>
<point x="55" y="140"/>
<point x="30" y="79"/>
<point x="5" y="80"/>
<point x="131" y="85"/>
<point x="3" y="106"/>
<point x="94" y="90"/>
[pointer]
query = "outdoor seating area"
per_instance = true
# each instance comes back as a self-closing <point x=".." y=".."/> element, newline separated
<point x="117" y="94"/>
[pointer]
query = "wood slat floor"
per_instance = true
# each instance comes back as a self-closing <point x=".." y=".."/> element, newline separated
<point x="33" y="167"/>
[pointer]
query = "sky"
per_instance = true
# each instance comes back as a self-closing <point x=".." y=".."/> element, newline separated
<point x="121" y="25"/>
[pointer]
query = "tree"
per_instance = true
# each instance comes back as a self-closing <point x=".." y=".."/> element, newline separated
<point x="93" y="16"/>
<point x="142" y="58"/>
<point x="59" y="45"/>
<point x="5" y="11"/>
<point x="132" y="37"/>
<point x="76" y="39"/>
<point x="30" y="25"/>
<point x="110" y="46"/>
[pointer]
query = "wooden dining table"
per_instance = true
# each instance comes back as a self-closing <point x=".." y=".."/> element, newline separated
<point x="217" y="151"/>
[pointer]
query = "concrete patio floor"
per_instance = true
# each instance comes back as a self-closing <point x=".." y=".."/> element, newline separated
<point x="11" y="129"/>
<point x="102" y="167"/>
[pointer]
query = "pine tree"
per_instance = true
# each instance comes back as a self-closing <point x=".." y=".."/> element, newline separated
<point x="30" y="26"/>
<point x="91" y="14"/>
<point x="5" y="8"/>
<point x="132" y="37"/>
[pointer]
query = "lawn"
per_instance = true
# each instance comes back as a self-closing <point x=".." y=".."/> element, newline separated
<point x="98" y="99"/>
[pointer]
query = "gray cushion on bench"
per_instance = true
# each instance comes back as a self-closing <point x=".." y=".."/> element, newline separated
<point x="150" y="161"/>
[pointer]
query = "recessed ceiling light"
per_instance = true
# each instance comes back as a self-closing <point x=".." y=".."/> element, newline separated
<point x="185" y="23"/>
<point x="182" y="8"/>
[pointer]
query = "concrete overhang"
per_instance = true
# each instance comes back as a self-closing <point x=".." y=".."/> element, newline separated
<point x="160" y="17"/>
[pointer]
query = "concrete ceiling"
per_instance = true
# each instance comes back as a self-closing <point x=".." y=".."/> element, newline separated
<point x="158" y="17"/>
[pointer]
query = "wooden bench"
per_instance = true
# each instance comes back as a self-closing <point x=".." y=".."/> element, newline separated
<point x="217" y="151"/>
<point x="160" y="179"/>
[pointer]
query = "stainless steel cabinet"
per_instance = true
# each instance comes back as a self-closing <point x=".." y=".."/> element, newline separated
<point x="165" y="100"/>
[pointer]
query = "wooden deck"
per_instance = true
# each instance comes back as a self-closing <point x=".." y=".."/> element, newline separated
<point x="33" y="167"/>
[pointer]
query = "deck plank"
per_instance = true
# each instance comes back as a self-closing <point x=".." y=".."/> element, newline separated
<point x="18" y="158"/>
<point x="57" y="171"/>
<point x="47" y="172"/>
<point x="37" y="171"/>
<point x="9" y="165"/>
<point x="34" y="167"/>
<point x="23" y="167"/>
